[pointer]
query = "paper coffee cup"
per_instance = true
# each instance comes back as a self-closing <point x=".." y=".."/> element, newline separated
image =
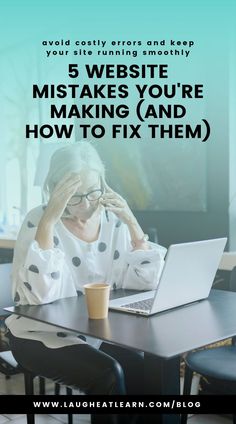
<point x="97" y="299"/>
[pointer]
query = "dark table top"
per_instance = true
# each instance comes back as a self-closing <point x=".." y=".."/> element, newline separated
<point x="166" y="334"/>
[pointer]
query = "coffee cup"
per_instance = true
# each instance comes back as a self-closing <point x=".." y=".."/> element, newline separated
<point x="97" y="300"/>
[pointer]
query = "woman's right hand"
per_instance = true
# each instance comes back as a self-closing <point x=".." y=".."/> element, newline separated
<point x="60" y="196"/>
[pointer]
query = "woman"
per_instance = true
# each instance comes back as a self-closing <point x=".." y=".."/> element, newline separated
<point x="85" y="233"/>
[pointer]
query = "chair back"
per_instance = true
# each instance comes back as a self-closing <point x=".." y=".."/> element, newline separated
<point x="232" y="287"/>
<point x="232" y="281"/>
<point x="152" y="234"/>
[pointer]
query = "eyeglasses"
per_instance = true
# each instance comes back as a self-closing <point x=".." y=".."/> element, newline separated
<point x="92" y="196"/>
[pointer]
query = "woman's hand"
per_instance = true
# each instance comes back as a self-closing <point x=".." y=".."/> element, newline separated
<point x="60" y="196"/>
<point x="113" y="202"/>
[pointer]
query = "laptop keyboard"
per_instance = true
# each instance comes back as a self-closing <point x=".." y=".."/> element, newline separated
<point x="144" y="305"/>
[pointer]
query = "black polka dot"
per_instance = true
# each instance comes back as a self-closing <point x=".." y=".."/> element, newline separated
<point x="102" y="247"/>
<point x="116" y="254"/>
<point x="145" y="262"/>
<point x="82" y="337"/>
<point x="34" y="268"/>
<point x="61" y="334"/>
<point x="56" y="241"/>
<point x="44" y="207"/>
<point x="118" y="224"/>
<point x="76" y="261"/>
<point x="55" y="275"/>
<point x="28" y="285"/>
<point x="30" y="225"/>
<point x="17" y="297"/>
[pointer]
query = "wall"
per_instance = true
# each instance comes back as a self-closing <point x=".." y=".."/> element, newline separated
<point x="177" y="227"/>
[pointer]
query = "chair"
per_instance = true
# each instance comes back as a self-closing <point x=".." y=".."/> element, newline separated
<point x="9" y="367"/>
<point x="29" y="390"/>
<point x="218" y="363"/>
<point x="152" y="234"/>
<point x="8" y="364"/>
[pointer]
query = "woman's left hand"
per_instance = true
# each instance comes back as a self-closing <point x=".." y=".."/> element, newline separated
<point x="113" y="202"/>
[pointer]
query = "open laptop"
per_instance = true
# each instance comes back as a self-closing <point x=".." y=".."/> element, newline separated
<point x="187" y="277"/>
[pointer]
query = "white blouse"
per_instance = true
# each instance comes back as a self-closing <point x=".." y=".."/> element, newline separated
<point x="43" y="276"/>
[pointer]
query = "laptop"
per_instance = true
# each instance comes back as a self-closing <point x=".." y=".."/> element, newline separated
<point x="187" y="277"/>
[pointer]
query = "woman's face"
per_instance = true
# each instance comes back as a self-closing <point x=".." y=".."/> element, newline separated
<point x="84" y="207"/>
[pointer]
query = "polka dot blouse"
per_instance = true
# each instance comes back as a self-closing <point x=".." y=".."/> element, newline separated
<point x="43" y="276"/>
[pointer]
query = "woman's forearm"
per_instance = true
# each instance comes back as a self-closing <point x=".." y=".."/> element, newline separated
<point x="44" y="234"/>
<point x="137" y="235"/>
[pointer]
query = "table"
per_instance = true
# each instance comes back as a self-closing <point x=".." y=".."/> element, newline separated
<point x="7" y="242"/>
<point x="162" y="337"/>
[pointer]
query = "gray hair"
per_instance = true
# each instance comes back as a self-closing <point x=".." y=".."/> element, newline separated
<point x="76" y="157"/>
